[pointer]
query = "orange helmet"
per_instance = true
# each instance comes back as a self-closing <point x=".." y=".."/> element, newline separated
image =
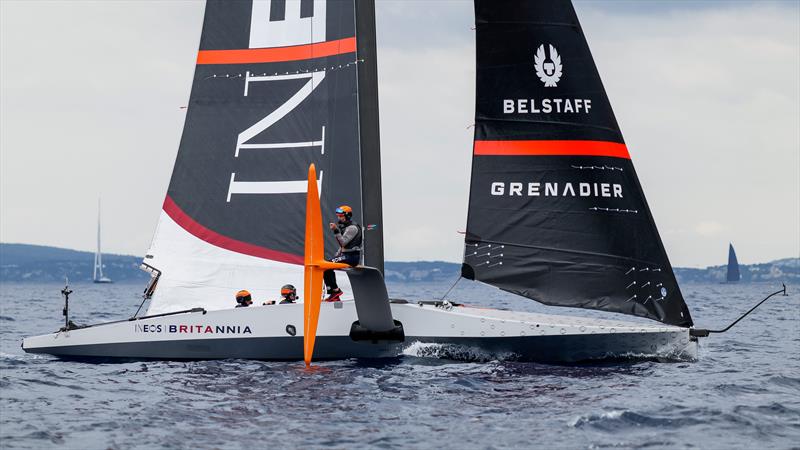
<point x="243" y="296"/>
<point x="344" y="210"/>
<point x="288" y="291"/>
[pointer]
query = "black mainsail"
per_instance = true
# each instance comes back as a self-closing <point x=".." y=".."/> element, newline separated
<point x="556" y="211"/>
<point x="278" y="85"/>
<point x="733" y="274"/>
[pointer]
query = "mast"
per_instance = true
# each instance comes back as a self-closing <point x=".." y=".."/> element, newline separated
<point x="369" y="133"/>
<point x="556" y="211"/>
<point x="98" y="255"/>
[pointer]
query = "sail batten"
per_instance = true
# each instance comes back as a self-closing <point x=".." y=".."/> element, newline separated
<point x="556" y="210"/>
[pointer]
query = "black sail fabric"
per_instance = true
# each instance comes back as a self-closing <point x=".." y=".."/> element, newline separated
<point x="733" y="265"/>
<point x="556" y="211"/>
<point x="275" y="89"/>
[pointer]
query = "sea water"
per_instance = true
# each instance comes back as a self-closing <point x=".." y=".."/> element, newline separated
<point x="742" y="392"/>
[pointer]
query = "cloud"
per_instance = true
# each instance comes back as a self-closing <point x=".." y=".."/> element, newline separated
<point x="706" y="93"/>
<point x="708" y="228"/>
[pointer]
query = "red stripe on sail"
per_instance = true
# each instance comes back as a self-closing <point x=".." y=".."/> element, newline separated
<point x="218" y="240"/>
<point x="277" y="54"/>
<point x="552" y="148"/>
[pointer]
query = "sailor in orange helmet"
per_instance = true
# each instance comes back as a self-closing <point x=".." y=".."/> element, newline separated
<point x="243" y="299"/>
<point x="349" y="236"/>
<point x="288" y="294"/>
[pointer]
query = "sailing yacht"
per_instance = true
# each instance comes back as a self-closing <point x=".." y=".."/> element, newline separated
<point x="733" y="275"/>
<point x="98" y="276"/>
<point x="556" y="211"/>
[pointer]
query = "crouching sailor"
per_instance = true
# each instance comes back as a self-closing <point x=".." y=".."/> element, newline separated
<point x="348" y="234"/>
<point x="243" y="299"/>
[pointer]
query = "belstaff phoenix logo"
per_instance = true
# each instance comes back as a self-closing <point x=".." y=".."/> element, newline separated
<point x="548" y="71"/>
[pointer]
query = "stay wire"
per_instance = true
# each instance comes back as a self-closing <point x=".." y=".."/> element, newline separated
<point x="451" y="288"/>
<point x="144" y="299"/>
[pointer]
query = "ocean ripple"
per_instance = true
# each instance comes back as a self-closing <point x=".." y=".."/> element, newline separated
<point x="743" y="391"/>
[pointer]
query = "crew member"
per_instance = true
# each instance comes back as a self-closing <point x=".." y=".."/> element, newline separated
<point x="349" y="236"/>
<point x="243" y="299"/>
<point x="288" y="294"/>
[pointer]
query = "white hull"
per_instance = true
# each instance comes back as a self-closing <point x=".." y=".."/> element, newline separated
<point x="264" y="333"/>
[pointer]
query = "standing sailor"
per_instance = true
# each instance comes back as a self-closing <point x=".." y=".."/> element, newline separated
<point x="348" y="234"/>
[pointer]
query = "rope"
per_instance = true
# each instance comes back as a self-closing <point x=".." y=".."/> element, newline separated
<point x="144" y="299"/>
<point x="451" y="288"/>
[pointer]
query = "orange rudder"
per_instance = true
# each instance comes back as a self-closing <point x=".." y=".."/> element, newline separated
<point x="315" y="264"/>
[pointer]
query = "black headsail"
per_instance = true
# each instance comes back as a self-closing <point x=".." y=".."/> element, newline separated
<point x="556" y="212"/>
<point x="278" y="85"/>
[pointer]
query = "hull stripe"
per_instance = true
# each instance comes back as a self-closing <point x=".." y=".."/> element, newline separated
<point x="277" y="54"/>
<point x="551" y="148"/>
<point x="212" y="237"/>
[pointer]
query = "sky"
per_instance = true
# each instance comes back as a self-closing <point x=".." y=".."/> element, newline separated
<point x="707" y="95"/>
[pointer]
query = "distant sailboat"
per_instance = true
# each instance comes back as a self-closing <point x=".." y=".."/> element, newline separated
<point x="733" y="266"/>
<point x="98" y="256"/>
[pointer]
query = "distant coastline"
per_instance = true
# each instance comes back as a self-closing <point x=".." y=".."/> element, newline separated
<point x="41" y="264"/>
<point x="22" y="263"/>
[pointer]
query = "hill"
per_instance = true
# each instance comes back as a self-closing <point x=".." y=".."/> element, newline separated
<point x="781" y="270"/>
<point x="37" y="263"/>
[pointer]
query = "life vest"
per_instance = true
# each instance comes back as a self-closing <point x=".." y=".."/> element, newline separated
<point x="356" y="241"/>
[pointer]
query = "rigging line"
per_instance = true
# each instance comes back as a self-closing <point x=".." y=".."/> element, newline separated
<point x="144" y="299"/>
<point x="451" y="288"/>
